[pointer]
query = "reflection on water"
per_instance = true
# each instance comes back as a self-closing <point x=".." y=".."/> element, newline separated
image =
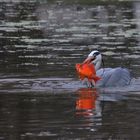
<point x="40" y="43"/>
<point x="89" y="107"/>
<point x="86" y="102"/>
<point x="43" y="116"/>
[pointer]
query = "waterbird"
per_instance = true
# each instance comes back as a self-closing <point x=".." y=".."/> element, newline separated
<point x="110" y="77"/>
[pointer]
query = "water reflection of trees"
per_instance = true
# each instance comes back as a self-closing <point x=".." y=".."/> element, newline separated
<point x="70" y="32"/>
<point x="16" y="11"/>
<point x="16" y="17"/>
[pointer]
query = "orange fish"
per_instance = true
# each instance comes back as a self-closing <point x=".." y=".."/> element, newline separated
<point x="87" y="71"/>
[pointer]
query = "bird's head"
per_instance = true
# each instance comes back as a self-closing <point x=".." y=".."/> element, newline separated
<point x="94" y="57"/>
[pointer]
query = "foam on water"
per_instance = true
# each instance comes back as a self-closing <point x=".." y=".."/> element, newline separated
<point x="59" y="85"/>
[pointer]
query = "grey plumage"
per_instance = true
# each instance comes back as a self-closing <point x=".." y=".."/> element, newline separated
<point x="111" y="77"/>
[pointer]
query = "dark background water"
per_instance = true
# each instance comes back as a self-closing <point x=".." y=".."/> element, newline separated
<point x="40" y="43"/>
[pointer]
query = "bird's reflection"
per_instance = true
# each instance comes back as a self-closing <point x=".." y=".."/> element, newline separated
<point x="86" y="103"/>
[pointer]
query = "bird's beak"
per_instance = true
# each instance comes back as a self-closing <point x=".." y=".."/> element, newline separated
<point x="89" y="59"/>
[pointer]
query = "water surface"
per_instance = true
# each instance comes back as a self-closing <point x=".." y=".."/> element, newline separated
<point x="41" y="96"/>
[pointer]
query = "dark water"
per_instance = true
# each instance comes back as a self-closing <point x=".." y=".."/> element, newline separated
<point x="40" y="95"/>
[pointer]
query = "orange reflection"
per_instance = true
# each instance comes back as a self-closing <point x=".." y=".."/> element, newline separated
<point x="86" y="100"/>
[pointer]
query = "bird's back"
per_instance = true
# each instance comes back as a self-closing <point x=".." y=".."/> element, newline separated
<point x="112" y="77"/>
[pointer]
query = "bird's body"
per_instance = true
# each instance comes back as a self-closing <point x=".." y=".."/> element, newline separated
<point x="110" y="77"/>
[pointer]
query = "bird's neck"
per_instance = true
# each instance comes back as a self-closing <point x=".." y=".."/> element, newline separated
<point x="98" y="65"/>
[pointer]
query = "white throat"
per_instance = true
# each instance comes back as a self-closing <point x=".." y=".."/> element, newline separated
<point x="97" y="62"/>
